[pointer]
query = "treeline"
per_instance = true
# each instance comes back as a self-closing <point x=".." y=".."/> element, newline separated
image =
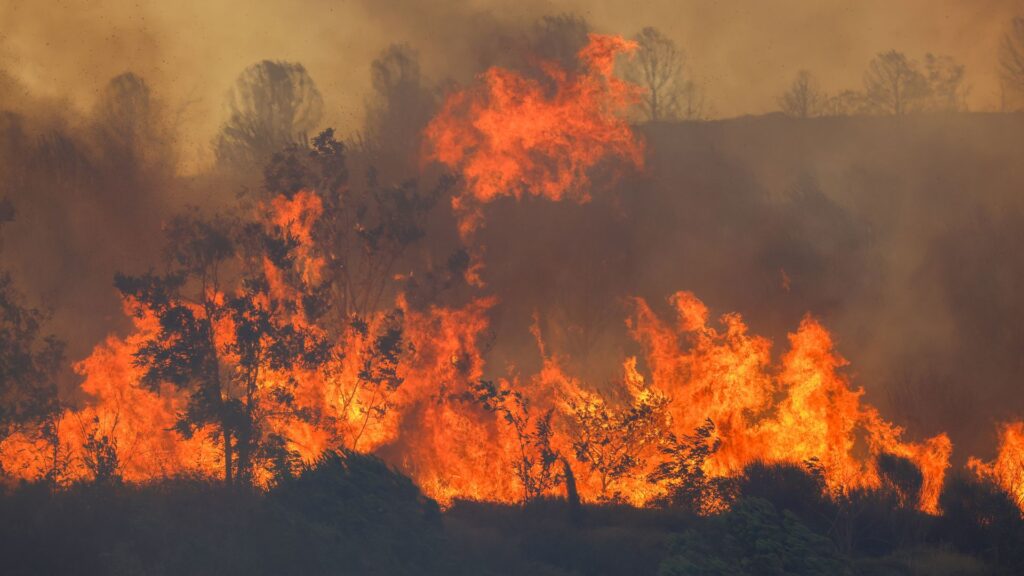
<point x="896" y="84"/>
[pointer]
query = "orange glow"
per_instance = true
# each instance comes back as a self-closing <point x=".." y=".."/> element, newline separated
<point x="511" y="134"/>
<point x="801" y="409"/>
<point x="1007" y="470"/>
<point x="436" y="418"/>
<point x="790" y="412"/>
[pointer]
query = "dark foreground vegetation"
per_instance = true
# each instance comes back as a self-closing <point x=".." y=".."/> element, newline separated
<point x="354" y="515"/>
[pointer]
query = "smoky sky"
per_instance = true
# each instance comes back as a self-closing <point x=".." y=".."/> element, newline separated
<point x="744" y="52"/>
<point x="898" y="233"/>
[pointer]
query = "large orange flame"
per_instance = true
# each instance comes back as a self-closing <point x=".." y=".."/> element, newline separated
<point x="510" y="134"/>
<point x="801" y="409"/>
<point x="460" y="436"/>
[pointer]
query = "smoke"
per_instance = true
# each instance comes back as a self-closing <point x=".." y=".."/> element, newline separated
<point x="901" y="235"/>
<point x="745" y="53"/>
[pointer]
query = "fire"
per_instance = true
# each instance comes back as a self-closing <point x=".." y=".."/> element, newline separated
<point x="511" y="134"/>
<point x="295" y="217"/>
<point x="133" y="421"/>
<point x="1007" y="470"/>
<point x="411" y="383"/>
<point x="800" y="409"/>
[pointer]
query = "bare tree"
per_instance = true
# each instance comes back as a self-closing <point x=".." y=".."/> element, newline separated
<point x="658" y="67"/>
<point x="894" y="84"/>
<point x="272" y="104"/>
<point x="946" y="90"/>
<point x="804" y="99"/>
<point x="1011" y="57"/>
<point x="692" y="102"/>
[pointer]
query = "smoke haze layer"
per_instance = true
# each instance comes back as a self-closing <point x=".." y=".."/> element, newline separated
<point x="900" y="234"/>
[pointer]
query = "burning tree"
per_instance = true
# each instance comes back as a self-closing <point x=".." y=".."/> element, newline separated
<point x="683" y="473"/>
<point x="364" y="229"/>
<point x="613" y="441"/>
<point x="29" y="363"/>
<point x="221" y="327"/>
<point x="535" y="467"/>
<point x="378" y="373"/>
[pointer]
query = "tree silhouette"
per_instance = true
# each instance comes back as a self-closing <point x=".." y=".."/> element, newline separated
<point x="535" y="468"/>
<point x="272" y="104"/>
<point x="214" y="282"/>
<point x="945" y="78"/>
<point x="29" y="361"/>
<point x="188" y="302"/>
<point x="366" y="227"/>
<point x="894" y="84"/>
<point x="846" y="103"/>
<point x="682" y="472"/>
<point x="130" y="129"/>
<point x="1011" y="56"/>
<point x="397" y="111"/>
<point x="612" y="441"/>
<point x="29" y="358"/>
<point x="658" y="67"/>
<point x="803" y="99"/>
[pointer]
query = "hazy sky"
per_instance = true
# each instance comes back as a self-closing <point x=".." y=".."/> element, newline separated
<point x="745" y="51"/>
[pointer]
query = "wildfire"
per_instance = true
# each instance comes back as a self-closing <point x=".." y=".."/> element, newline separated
<point x="1007" y="470"/>
<point x="800" y="410"/>
<point x="454" y="447"/>
<point x="511" y="134"/>
<point x="409" y="384"/>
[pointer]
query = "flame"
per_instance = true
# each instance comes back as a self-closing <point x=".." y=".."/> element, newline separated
<point x="135" y="421"/>
<point x="460" y="436"/>
<point x="1007" y="470"/>
<point x="787" y="412"/>
<point x="801" y="410"/>
<point x="510" y="134"/>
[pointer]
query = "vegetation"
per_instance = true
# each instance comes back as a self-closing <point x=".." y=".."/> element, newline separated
<point x="272" y="104"/>
<point x="535" y="468"/>
<point x="894" y="84"/>
<point x="350" y="513"/>
<point x="669" y="91"/>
